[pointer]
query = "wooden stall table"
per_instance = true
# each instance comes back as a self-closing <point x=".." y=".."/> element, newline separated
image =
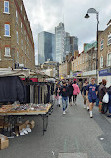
<point x="13" y="115"/>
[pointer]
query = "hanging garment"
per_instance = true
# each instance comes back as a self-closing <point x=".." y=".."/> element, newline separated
<point x="12" y="89"/>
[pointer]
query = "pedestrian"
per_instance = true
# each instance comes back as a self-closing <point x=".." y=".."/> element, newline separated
<point x="109" y="104"/>
<point x="91" y="95"/>
<point x="70" y="89"/>
<point x="76" y="91"/>
<point x="97" y="100"/>
<point x="64" y="93"/>
<point x="102" y="91"/>
<point x="83" y="92"/>
<point x="58" y="94"/>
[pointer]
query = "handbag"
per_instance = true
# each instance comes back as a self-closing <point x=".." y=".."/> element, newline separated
<point x="106" y="98"/>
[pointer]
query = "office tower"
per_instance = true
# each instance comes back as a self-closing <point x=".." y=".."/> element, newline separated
<point x="60" y="42"/>
<point x="46" y="47"/>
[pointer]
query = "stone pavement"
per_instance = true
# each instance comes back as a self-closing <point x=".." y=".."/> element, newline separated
<point x="69" y="136"/>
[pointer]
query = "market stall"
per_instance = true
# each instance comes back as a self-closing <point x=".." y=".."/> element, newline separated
<point x="13" y="112"/>
<point x="23" y="98"/>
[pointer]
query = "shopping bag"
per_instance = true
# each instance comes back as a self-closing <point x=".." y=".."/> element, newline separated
<point x="106" y="98"/>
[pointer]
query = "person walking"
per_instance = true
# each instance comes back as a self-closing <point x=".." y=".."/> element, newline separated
<point x="76" y="91"/>
<point x="109" y="104"/>
<point x="102" y="91"/>
<point x="83" y="92"/>
<point x="64" y="93"/>
<point x="91" y="95"/>
<point x="58" y="94"/>
<point x="70" y="89"/>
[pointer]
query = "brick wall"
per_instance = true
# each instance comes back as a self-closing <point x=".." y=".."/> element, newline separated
<point x="25" y="56"/>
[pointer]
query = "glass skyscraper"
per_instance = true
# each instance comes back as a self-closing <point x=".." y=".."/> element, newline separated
<point x="71" y="44"/>
<point x="60" y="39"/>
<point x="46" y="47"/>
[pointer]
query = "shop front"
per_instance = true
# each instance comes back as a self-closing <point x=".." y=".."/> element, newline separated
<point x="105" y="74"/>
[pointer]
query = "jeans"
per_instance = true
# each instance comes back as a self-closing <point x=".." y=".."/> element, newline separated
<point x="74" y="98"/>
<point x="109" y="106"/>
<point x="97" y="102"/>
<point x="64" y="103"/>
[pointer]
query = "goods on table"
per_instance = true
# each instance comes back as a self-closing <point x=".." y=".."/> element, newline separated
<point x="23" y="108"/>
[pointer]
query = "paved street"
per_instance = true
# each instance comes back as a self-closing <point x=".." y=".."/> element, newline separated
<point x="74" y="135"/>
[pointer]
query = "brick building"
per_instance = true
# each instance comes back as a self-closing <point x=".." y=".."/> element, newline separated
<point x="80" y="62"/>
<point x="104" y="54"/>
<point x="65" y="66"/>
<point x="16" y="39"/>
<point x="84" y="64"/>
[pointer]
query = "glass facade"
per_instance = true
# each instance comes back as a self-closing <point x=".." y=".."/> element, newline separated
<point x="46" y="49"/>
<point x="60" y="42"/>
<point x="71" y="44"/>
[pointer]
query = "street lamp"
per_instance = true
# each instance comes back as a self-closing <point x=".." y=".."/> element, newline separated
<point x="93" y="11"/>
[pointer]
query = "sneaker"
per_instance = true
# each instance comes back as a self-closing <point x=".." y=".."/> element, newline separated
<point x="24" y="131"/>
<point x="109" y="116"/>
<point x="84" y="106"/>
<point x="90" y="113"/>
<point x="64" y="112"/>
<point x="87" y="108"/>
<point x="59" y="105"/>
<point x="28" y="130"/>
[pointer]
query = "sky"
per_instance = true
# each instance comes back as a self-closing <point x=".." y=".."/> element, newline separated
<point x="45" y="15"/>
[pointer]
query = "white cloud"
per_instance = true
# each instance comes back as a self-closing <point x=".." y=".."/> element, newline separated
<point x="46" y="14"/>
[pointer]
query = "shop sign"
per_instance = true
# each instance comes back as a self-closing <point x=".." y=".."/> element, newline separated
<point x="89" y="73"/>
<point x="105" y="72"/>
<point x="79" y="74"/>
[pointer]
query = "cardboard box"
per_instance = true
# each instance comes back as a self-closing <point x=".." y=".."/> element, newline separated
<point x="20" y="126"/>
<point x="32" y="124"/>
<point x="4" y="142"/>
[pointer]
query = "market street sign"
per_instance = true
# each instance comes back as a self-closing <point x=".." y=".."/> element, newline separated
<point x="105" y="72"/>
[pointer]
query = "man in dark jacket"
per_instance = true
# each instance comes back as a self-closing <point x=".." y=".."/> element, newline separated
<point x="70" y="88"/>
<point x="64" y="93"/>
<point x="102" y="92"/>
<point x="109" y="104"/>
<point x="83" y="92"/>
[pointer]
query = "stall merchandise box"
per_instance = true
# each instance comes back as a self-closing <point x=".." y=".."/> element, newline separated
<point x="32" y="124"/>
<point x="4" y="142"/>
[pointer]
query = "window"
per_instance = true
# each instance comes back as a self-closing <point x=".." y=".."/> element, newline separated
<point x="7" y="30"/>
<point x="109" y="39"/>
<point x="17" y="37"/>
<point x="17" y="57"/>
<point x="94" y="66"/>
<point x="21" y="7"/>
<point x="83" y="60"/>
<point x="25" y="50"/>
<point x="6" y="6"/>
<point x="94" y="55"/>
<point x="101" y="44"/>
<point x="109" y="59"/>
<point x="101" y="61"/>
<point x="0" y="54"/>
<point x="21" y="27"/>
<point x="16" y="16"/>
<point x="22" y="44"/>
<point x="7" y="51"/>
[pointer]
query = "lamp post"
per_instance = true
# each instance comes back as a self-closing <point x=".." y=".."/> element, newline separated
<point x="93" y="11"/>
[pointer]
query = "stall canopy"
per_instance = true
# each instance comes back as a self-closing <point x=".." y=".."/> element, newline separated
<point x="16" y="72"/>
<point x="22" y="72"/>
